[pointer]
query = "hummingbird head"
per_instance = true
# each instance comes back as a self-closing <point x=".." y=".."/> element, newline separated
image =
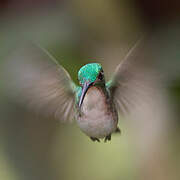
<point x="90" y="75"/>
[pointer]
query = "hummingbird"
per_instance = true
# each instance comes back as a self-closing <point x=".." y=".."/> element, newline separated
<point x="45" y="86"/>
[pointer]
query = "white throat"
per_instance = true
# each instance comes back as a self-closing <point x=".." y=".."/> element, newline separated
<point x="96" y="119"/>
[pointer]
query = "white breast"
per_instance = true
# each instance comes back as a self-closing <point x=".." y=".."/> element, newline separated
<point x="96" y="118"/>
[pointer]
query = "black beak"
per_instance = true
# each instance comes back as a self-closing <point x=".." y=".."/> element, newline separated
<point x="84" y="90"/>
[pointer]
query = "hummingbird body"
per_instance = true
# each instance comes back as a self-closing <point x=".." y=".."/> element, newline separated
<point x="97" y="117"/>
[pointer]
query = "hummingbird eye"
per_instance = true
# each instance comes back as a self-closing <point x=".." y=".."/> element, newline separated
<point x="101" y="76"/>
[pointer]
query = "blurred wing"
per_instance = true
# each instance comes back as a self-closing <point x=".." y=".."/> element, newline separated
<point x="134" y="86"/>
<point x="37" y="80"/>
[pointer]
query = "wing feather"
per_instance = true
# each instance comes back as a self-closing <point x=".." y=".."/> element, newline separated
<point x="135" y="83"/>
<point x="35" y="78"/>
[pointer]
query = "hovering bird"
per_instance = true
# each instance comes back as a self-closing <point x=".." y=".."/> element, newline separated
<point x="45" y="86"/>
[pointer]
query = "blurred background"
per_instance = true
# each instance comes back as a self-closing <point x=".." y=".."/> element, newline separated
<point x="76" y="32"/>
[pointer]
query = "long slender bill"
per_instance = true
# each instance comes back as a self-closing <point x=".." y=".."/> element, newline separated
<point x="85" y="88"/>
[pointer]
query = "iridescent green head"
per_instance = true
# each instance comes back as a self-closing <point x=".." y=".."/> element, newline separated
<point x="90" y="75"/>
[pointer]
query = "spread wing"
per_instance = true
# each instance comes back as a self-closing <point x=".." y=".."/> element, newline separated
<point x="134" y="86"/>
<point x="37" y="80"/>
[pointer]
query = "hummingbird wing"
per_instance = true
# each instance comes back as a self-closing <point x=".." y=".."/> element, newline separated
<point x="35" y="78"/>
<point x="134" y="84"/>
